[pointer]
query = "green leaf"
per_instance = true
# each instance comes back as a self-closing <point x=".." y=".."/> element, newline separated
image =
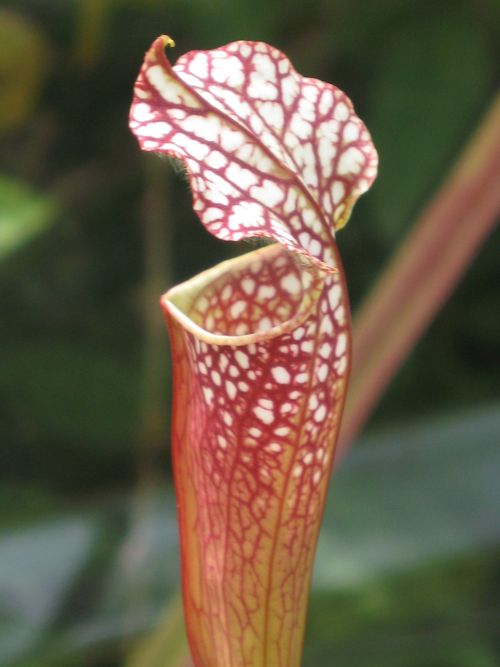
<point x="24" y="214"/>
<point x="91" y="399"/>
<point x="427" y="91"/>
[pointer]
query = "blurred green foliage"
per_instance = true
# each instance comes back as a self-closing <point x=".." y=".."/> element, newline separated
<point x="80" y="331"/>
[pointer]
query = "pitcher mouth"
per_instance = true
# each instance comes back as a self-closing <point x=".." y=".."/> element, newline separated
<point x="251" y="298"/>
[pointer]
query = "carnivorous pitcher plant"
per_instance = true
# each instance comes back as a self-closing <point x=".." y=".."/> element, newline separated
<point x="261" y="344"/>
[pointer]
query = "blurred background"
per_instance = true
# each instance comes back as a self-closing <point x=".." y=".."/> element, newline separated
<point x="92" y="232"/>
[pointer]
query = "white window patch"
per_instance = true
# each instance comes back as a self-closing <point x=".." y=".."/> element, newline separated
<point x="211" y="214"/>
<point x="216" y="197"/>
<point x="264" y="324"/>
<point x="269" y="193"/>
<point x="326" y="102"/>
<point x="299" y="333"/>
<point x="231" y="389"/>
<point x="351" y="132"/>
<point x="265" y="66"/>
<point x="308" y="458"/>
<point x="142" y="112"/>
<point x="216" y="160"/>
<point x="351" y="161"/>
<point x="322" y="372"/>
<point x="301" y="127"/>
<point x="325" y="350"/>
<point x="199" y="65"/>
<point x="338" y="192"/>
<point x="241" y="358"/>
<point x="290" y="283"/>
<point x="313" y="402"/>
<point x="233" y="371"/>
<point x="289" y="89"/>
<point x="216" y="378"/>
<point x="243" y="178"/>
<point x="245" y="50"/>
<point x="265" y="416"/>
<point x="272" y="113"/>
<point x="340" y="315"/>
<point x="341" y="365"/>
<point x="266" y="292"/>
<point x="341" y="345"/>
<point x="281" y="375"/>
<point x="341" y="112"/>
<point x="208" y="395"/>
<point x="237" y="308"/>
<point x="248" y="286"/>
<point x="320" y="414"/>
<point x="231" y="140"/>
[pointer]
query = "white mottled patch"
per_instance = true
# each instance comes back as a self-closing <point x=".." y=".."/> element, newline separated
<point x="199" y="66"/>
<point x="334" y="296"/>
<point x="320" y="414"/>
<point x="269" y="193"/>
<point x="351" y="132"/>
<point x="272" y="113"/>
<point x="290" y="283"/>
<point x="341" y="111"/>
<point x="281" y="375"/>
<point x="231" y="140"/>
<point x="142" y="112"/>
<point x="216" y="160"/>
<point x="228" y="71"/>
<point x="266" y="292"/>
<point x="265" y="416"/>
<point x="242" y="359"/>
<point x="230" y="389"/>
<point x="248" y="286"/>
<point x="341" y="345"/>
<point x="264" y="324"/>
<point x="211" y="214"/>
<point x="308" y="458"/>
<point x="289" y="89"/>
<point x="322" y="372"/>
<point x="326" y="101"/>
<point x="237" y="308"/>
<point x="155" y="130"/>
<point x="208" y="395"/>
<point x="170" y="89"/>
<point x="302" y="128"/>
<point x="350" y="161"/>
<point x="191" y="147"/>
<point x="244" y="49"/>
